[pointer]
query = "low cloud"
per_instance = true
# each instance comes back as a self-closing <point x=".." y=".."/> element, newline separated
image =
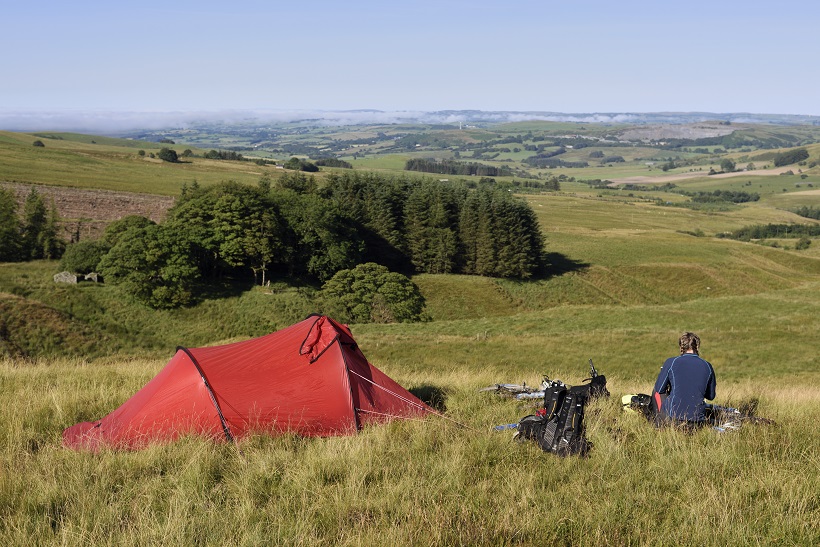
<point x="118" y="122"/>
<point x="121" y="122"/>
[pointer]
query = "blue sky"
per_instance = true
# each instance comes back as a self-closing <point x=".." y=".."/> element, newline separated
<point x="572" y="56"/>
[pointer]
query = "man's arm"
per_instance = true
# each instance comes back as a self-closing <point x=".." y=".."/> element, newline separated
<point x="711" y="385"/>
<point x="662" y="383"/>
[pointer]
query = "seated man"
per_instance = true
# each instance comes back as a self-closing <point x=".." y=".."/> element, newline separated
<point x="682" y="385"/>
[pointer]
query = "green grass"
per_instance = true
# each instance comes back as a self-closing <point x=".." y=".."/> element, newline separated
<point x="629" y="279"/>
<point x="39" y="317"/>
<point x="437" y="483"/>
<point x="84" y="165"/>
<point x="394" y="162"/>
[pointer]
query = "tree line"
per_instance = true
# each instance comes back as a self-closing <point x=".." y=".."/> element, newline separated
<point x="299" y="230"/>
<point x="32" y="235"/>
<point x="733" y="196"/>
<point x="808" y="212"/>
<point x="764" y="231"/>
<point x="452" y="167"/>
<point x="548" y="159"/>
<point x="791" y="156"/>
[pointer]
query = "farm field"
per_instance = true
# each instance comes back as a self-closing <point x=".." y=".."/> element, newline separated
<point x="629" y="275"/>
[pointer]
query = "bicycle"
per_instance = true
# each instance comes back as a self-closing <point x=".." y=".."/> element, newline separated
<point x="724" y="418"/>
<point x="597" y="383"/>
<point x="522" y="391"/>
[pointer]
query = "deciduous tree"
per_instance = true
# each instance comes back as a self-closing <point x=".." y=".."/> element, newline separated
<point x="372" y="293"/>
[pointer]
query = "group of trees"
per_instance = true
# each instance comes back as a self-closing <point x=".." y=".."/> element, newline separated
<point x="437" y="227"/>
<point x="791" y="156"/>
<point x="727" y="165"/>
<point x="298" y="230"/>
<point x="764" y="231"/>
<point x="549" y="160"/>
<point x="333" y="162"/>
<point x="33" y="236"/>
<point x="808" y="212"/>
<point x="230" y="155"/>
<point x="168" y="154"/>
<point x="733" y="196"/>
<point x="298" y="164"/>
<point x="452" y="167"/>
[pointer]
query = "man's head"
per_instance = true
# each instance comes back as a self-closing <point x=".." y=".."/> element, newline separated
<point x="689" y="343"/>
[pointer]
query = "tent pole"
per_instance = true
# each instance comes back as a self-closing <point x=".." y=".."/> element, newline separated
<point x="225" y="428"/>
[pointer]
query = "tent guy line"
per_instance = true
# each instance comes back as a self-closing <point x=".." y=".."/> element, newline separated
<point x="422" y="407"/>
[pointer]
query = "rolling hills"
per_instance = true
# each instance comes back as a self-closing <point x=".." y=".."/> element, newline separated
<point x="630" y="269"/>
<point x="607" y="246"/>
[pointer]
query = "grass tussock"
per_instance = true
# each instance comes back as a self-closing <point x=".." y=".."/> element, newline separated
<point x="423" y="482"/>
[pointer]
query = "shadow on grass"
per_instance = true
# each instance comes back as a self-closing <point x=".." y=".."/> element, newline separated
<point x="558" y="264"/>
<point x="433" y="396"/>
<point x="228" y="287"/>
<point x="223" y="288"/>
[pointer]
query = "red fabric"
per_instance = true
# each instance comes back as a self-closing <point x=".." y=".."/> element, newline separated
<point x="309" y="379"/>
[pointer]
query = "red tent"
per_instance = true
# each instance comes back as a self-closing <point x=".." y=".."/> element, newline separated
<point x="309" y="379"/>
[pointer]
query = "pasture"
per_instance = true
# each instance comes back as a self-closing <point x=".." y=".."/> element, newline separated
<point x="82" y="164"/>
<point x="629" y="276"/>
<point x="454" y="481"/>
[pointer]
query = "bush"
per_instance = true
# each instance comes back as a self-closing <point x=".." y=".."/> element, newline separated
<point x="169" y="155"/>
<point x="83" y="257"/>
<point x="372" y="293"/>
<point x="802" y="244"/>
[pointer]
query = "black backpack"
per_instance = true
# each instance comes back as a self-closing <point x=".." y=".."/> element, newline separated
<point x="560" y="429"/>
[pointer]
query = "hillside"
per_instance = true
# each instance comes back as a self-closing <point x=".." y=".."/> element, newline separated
<point x="630" y="269"/>
<point x="604" y="253"/>
<point x="79" y="161"/>
<point x="607" y="246"/>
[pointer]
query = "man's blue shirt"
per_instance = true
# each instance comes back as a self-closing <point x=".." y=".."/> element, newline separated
<point x="689" y="380"/>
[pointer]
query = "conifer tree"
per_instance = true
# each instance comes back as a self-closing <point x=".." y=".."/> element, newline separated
<point x="34" y="222"/>
<point x="10" y="227"/>
<point x="486" y="243"/>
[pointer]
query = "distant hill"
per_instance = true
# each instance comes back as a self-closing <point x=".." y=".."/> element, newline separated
<point x="123" y="123"/>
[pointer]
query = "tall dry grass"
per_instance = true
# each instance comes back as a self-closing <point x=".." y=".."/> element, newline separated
<point x="426" y="482"/>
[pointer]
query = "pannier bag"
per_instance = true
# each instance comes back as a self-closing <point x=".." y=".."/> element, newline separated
<point x="640" y="403"/>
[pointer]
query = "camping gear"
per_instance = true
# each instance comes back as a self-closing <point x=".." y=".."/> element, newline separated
<point x="597" y="383"/>
<point x="558" y="427"/>
<point x="639" y="402"/>
<point x="560" y="430"/>
<point x="596" y="387"/>
<point x="517" y="391"/>
<point x="310" y="379"/>
<point x="721" y="418"/>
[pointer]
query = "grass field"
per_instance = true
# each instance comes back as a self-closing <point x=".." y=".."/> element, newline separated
<point x="100" y="166"/>
<point x="629" y="277"/>
<point x="437" y="483"/>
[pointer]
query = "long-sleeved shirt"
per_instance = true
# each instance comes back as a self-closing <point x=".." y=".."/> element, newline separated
<point x="689" y="380"/>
